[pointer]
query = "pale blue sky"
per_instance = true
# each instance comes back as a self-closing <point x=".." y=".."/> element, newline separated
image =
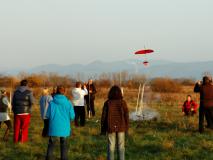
<point x="35" y="32"/>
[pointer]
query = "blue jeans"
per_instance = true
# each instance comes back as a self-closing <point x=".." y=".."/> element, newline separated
<point x="116" y="140"/>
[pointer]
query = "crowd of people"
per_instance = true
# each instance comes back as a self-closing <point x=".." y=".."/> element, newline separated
<point x="57" y="111"/>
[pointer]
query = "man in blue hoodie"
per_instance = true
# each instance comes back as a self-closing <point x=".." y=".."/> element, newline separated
<point x="60" y="113"/>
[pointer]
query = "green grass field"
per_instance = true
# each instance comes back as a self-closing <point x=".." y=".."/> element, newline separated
<point x="173" y="137"/>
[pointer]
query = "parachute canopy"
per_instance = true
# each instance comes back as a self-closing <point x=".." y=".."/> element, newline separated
<point x="145" y="51"/>
<point x="143" y="54"/>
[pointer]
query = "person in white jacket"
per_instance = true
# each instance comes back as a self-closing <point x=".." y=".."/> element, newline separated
<point x="79" y="103"/>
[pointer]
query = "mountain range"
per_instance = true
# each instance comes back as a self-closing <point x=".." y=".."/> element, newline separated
<point x="156" y="68"/>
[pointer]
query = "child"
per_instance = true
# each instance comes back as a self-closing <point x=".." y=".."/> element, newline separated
<point x="4" y="116"/>
<point x="189" y="106"/>
<point x="115" y="122"/>
<point x="44" y="103"/>
<point x="79" y="103"/>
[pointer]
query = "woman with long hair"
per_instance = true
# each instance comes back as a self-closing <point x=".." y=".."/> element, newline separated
<point x="115" y="122"/>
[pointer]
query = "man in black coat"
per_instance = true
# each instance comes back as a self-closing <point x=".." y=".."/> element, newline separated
<point x="206" y="102"/>
<point x="90" y="98"/>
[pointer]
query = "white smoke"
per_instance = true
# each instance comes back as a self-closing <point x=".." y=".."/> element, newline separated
<point x="142" y="111"/>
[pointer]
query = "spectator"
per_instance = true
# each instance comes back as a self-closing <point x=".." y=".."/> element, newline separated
<point x="189" y="106"/>
<point x="54" y="90"/>
<point x="78" y="95"/>
<point x="115" y="122"/>
<point x="44" y="103"/>
<point x="90" y="98"/>
<point x="4" y="116"/>
<point x="206" y="102"/>
<point x="60" y="112"/>
<point x="22" y="105"/>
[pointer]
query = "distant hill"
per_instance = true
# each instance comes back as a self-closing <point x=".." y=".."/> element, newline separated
<point x="156" y="68"/>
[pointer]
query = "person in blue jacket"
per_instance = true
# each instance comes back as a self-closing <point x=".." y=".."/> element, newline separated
<point x="45" y="100"/>
<point x="60" y="112"/>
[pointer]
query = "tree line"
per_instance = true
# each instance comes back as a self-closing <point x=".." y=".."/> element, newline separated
<point x="104" y="80"/>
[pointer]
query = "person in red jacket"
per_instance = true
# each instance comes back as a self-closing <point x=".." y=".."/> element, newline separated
<point x="189" y="107"/>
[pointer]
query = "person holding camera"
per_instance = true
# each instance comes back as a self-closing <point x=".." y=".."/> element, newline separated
<point x="90" y="98"/>
<point x="205" y="89"/>
<point x="78" y="95"/>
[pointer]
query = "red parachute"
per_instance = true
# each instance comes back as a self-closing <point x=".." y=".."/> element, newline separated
<point x="144" y="52"/>
<point x="145" y="63"/>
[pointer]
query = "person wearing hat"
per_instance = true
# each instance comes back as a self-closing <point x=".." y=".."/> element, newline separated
<point x="45" y="100"/>
<point x="22" y="105"/>
<point x="205" y="89"/>
<point x="4" y="116"/>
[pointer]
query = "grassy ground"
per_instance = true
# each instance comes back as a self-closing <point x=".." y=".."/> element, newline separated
<point x="172" y="137"/>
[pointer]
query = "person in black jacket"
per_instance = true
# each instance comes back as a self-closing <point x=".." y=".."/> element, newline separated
<point x="90" y="98"/>
<point x="21" y="105"/>
<point x="206" y="102"/>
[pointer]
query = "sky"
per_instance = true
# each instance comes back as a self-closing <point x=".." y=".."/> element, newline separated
<point x="37" y="32"/>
